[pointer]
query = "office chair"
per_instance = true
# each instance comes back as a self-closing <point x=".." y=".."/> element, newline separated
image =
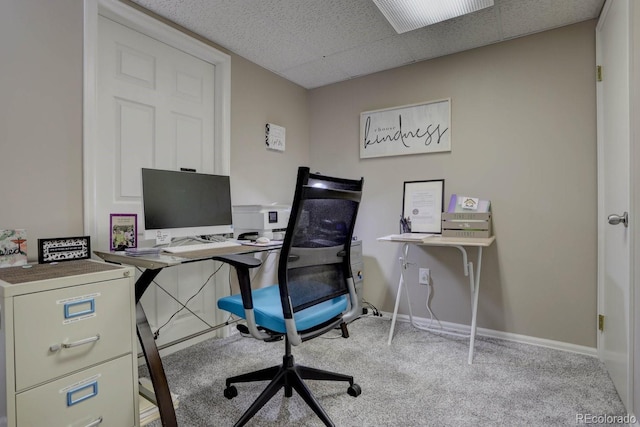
<point x="315" y="291"/>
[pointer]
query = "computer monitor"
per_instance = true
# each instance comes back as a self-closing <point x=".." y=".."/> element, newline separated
<point x="185" y="204"/>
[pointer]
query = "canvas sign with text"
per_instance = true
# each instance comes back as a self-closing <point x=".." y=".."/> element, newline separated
<point x="410" y="129"/>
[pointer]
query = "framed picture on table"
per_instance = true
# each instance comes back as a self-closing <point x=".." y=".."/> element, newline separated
<point x="422" y="206"/>
<point x="123" y="231"/>
<point x="64" y="249"/>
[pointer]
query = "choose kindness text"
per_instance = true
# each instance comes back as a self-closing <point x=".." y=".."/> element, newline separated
<point x="427" y="134"/>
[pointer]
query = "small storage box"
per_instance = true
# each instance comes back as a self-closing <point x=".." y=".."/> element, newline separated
<point x="466" y="224"/>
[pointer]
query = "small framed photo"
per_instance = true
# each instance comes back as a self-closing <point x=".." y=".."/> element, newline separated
<point x="63" y="249"/>
<point x="422" y="206"/>
<point x="123" y="231"/>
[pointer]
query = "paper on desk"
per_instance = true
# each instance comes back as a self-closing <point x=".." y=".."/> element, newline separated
<point x="270" y="243"/>
<point x="411" y="237"/>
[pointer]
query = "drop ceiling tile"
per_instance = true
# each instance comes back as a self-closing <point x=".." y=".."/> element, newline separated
<point x="238" y="26"/>
<point x="260" y="50"/>
<point x="316" y="73"/>
<point x="329" y="26"/>
<point x="455" y="35"/>
<point x="522" y="17"/>
<point x="373" y="57"/>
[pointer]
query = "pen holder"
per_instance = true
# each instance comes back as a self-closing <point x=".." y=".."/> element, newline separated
<point x="405" y="225"/>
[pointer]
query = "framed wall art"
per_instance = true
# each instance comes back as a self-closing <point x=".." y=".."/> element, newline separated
<point x="275" y="137"/>
<point x="409" y="129"/>
<point x="63" y="249"/>
<point x="422" y="206"/>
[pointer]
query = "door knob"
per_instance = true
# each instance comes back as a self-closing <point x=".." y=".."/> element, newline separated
<point x="617" y="219"/>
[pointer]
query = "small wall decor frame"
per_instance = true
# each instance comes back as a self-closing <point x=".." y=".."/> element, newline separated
<point x="63" y="249"/>
<point x="409" y="129"/>
<point x="123" y="231"/>
<point x="275" y="137"/>
<point x="422" y="205"/>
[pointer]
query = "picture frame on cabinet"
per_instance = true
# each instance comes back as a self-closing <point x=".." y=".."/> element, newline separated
<point x="63" y="249"/>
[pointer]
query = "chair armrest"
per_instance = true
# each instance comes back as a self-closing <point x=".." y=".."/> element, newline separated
<point x="242" y="264"/>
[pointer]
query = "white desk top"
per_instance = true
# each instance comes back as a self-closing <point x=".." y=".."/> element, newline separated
<point x="164" y="259"/>
<point x="436" y="240"/>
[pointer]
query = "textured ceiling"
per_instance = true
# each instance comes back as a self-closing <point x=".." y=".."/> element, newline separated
<point x="318" y="42"/>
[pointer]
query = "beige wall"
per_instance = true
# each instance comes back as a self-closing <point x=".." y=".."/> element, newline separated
<point x="258" y="97"/>
<point x="41" y="118"/>
<point x="523" y="129"/>
<point x="523" y="136"/>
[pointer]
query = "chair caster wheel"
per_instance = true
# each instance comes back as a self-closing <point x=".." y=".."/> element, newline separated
<point x="354" y="390"/>
<point x="230" y="392"/>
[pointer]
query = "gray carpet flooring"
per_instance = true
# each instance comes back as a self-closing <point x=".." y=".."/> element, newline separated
<point x="422" y="379"/>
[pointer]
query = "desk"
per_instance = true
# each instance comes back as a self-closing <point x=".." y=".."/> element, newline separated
<point x="153" y="265"/>
<point x="460" y="243"/>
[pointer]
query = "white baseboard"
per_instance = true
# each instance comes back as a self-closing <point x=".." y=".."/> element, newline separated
<point x="507" y="336"/>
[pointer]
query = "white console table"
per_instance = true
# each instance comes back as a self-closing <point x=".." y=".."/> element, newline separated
<point x="460" y="243"/>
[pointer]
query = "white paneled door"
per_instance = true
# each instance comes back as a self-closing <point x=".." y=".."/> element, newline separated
<point x="614" y="193"/>
<point x="155" y="107"/>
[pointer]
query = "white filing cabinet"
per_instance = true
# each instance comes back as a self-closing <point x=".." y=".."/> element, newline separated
<point x="67" y="345"/>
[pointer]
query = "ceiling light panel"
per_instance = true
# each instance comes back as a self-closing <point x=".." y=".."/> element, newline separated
<point x="407" y="15"/>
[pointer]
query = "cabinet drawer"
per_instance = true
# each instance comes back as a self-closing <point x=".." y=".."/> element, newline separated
<point x="104" y="391"/>
<point x="94" y="320"/>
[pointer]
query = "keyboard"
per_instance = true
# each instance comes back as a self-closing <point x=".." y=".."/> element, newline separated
<point x="200" y="246"/>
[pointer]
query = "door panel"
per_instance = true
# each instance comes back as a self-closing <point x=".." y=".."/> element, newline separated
<point x="612" y="40"/>
<point x="133" y="147"/>
<point x="155" y="110"/>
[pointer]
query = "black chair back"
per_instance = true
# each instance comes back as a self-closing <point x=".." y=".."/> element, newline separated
<point x="315" y="261"/>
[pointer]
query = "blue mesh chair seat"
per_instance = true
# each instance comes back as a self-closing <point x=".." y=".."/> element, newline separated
<point x="315" y="291"/>
<point x="268" y="311"/>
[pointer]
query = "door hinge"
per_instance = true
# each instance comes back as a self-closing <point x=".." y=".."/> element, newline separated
<point x="599" y="73"/>
<point x="600" y="322"/>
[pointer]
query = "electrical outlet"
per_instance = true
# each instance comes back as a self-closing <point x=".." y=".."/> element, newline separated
<point x="424" y="276"/>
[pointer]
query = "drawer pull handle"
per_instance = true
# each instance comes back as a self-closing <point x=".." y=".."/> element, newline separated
<point x="84" y="396"/>
<point x="81" y="342"/>
<point x="89" y="306"/>
<point x="56" y="347"/>
<point x="94" y="423"/>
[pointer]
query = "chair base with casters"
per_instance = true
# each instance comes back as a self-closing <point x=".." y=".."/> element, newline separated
<point x="290" y="376"/>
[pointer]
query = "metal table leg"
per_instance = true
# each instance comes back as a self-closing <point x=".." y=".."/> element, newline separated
<point x="474" y="287"/>
<point x="152" y="356"/>
<point x="403" y="267"/>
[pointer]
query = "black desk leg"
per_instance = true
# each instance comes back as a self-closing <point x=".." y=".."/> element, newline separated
<point x="156" y="371"/>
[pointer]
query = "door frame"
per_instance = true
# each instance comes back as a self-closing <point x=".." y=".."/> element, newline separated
<point x="145" y="24"/>
<point x="633" y="385"/>
<point x="634" y="135"/>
